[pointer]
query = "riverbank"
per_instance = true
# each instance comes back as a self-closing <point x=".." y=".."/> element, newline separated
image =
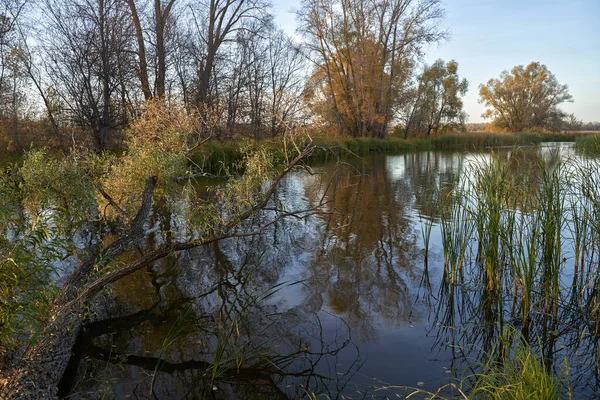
<point x="588" y="144"/>
<point x="216" y="156"/>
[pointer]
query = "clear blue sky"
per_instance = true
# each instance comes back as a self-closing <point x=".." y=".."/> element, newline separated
<point x="489" y="36"/>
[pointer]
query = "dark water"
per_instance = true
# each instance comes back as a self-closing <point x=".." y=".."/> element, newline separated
<point x="341" y="303"/>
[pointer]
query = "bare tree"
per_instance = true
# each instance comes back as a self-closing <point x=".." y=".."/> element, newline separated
<point x="257" y="82"/>
<point x="572" y="124"/>
<point x="286" y="78"/>
<point x="88" y="44"/>
<point x="156" y="35"/>
<point x="10" y="74"/>
<point x="234" y="75"/>
<point x="183" y="63"/>
<point x="217" y="22"/>
<point x="33" y="70"/>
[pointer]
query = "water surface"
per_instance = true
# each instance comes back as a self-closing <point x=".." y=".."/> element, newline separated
<point x="342" y="303"/>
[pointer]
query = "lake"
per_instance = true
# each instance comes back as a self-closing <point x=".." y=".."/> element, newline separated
<point x="361" y="300"/>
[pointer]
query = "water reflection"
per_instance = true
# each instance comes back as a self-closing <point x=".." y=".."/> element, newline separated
<point x="342" y="303"/>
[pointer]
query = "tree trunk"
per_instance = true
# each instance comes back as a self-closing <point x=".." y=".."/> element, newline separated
<point x="160" y="49"/>
<point x="38" y="373"/>
<point x="143" y="66"/>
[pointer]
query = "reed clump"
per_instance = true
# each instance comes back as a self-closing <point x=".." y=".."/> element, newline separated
<point x="520" y="374"/>
<point x="527" y="246"/>
<point x="588" y="144"/>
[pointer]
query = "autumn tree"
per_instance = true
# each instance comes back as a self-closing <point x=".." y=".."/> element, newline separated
<point x="356" y="107"/>
<point x="525" y="98"/>
<point x="437" y="100"/>
<point x="364" y="54"/>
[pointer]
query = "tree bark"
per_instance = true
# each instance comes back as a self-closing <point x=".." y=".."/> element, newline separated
<point x="143" y="66"/>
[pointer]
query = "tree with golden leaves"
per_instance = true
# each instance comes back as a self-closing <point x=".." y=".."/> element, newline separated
<point x="526" y="98"/>
<point x="364" y="53"/>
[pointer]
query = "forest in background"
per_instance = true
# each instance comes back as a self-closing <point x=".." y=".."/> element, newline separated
<point x="80" y="71"/>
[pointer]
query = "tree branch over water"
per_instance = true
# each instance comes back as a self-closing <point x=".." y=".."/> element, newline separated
<point x="37" y="374"/>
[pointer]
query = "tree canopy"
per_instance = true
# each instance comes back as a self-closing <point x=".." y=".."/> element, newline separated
<point x="364" y="54"/>
<point x="436" y="101"/>
<point x="525" y="98"/>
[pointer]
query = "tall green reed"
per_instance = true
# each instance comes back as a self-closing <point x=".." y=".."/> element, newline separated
<point x="529" y="223"/>
<point x="456" y="228"/>
<point x="426" y="227"/>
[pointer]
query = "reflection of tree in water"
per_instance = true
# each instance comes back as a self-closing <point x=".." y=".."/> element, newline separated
<point x="427" y="173"/>
<point x="220" y="288"/>
<point x="366" y="258"/>
<point x="362" y="262"/>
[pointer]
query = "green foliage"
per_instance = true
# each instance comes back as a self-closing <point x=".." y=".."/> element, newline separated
<point x="227" y="157"/>
<point x="211" y="215"/>
<point x="588" y="144"/>
<point x="449" y="142"/>
<point x="519" y="374"/>
<point x="42" y="204"/>
<point x="217" y="157"/>
<point x="27" y="249"/>
<point x="60" y="184"/>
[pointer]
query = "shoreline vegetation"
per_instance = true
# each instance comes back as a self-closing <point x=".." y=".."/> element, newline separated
<point x="214" y="156"/>
<point x="111" y="110"/>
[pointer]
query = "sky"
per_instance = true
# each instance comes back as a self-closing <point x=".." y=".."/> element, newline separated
<point x="489" y="36"/>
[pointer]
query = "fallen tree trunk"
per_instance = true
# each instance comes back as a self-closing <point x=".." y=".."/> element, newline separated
<point x="37" y="374"/>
